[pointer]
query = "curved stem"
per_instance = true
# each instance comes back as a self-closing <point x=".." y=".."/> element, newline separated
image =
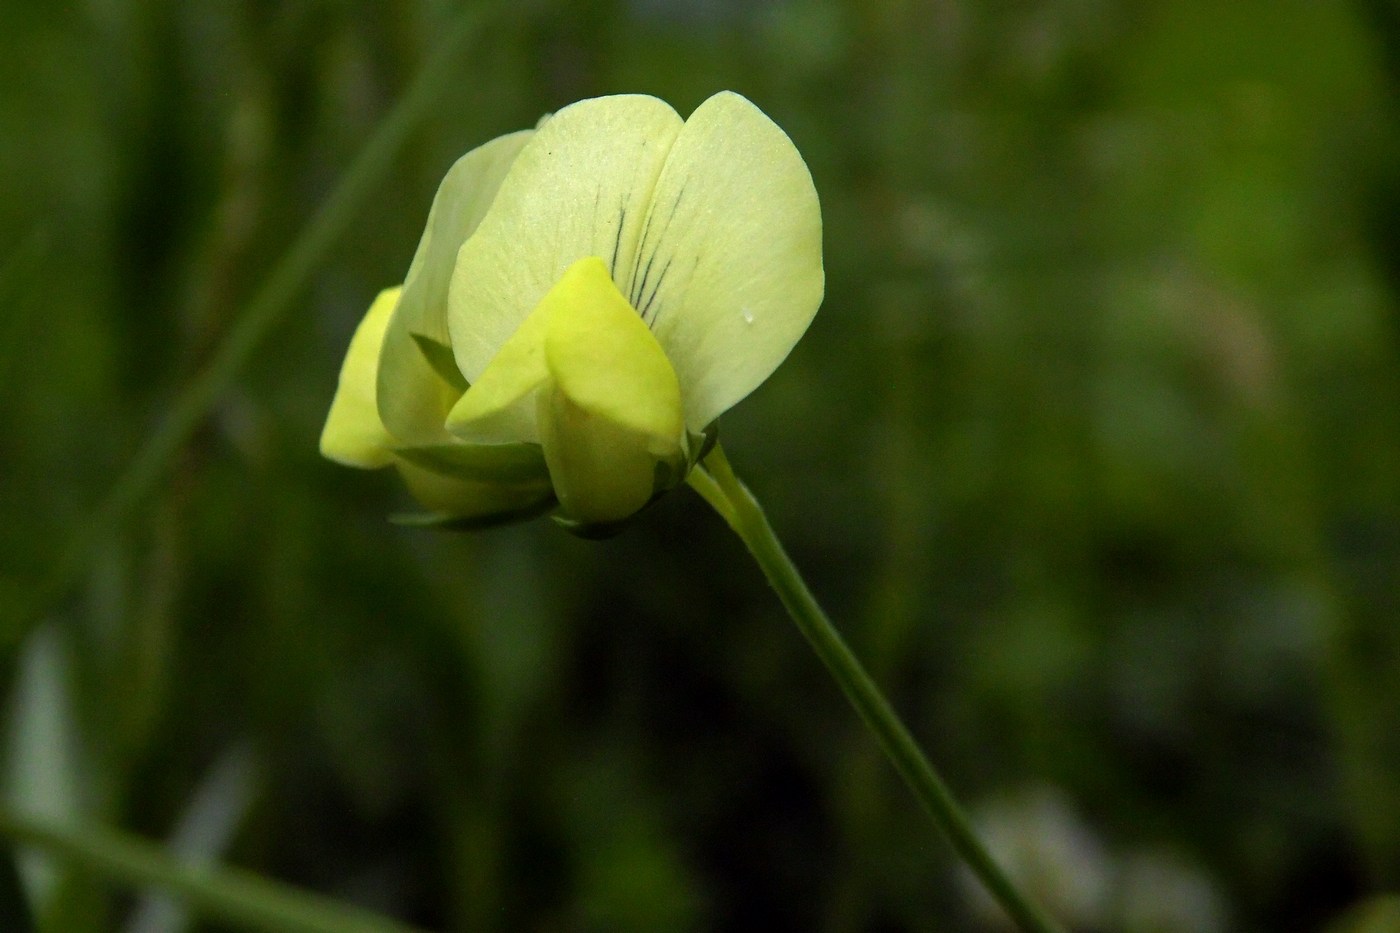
<point x="237" y="897"/>
<point x="715" y="481"/>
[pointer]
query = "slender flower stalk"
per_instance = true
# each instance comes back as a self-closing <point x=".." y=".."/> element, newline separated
<point x="715" y="481"/>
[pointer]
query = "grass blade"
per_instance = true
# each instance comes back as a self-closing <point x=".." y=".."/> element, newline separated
<point x="233" y="896"/>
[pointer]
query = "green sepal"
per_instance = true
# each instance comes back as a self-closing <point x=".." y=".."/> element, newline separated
<point x="666" y="476"/>
<point x="669" y="475"/>
<point x="504" y="464"/>
<point x="595" y="531"/>
<point x="698" y="446"/>
<point x="443" y="521"/>
<point x="440" y="358"/>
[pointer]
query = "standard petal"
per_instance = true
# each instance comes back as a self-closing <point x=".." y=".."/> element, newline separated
<point x="353" y="434"/>
<point x="412" y="403"/>
<point x="580" y="187"/>
<point x="729" y="267"/>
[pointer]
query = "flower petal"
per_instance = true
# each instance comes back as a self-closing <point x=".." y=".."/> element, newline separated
<point x="413" y="397"/>
<point x="498" y="464"/>
<point x="613" y="408"/>
<point x="453" y="498"/>
<point x="601" y="472"/>
<point x="603" y="358"/>
<point x="729" y="268"/>
<point x="581" y="187"/>
<point x="499" y="407"/>
<point x="353" y="434"/>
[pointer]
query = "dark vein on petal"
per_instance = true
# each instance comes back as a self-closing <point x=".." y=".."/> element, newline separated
<point x="675" y="205"/>
<point x="637" y="260"/>
<point x="639" y="287"/>
<point x="617" y="240"/>
<point x="654" y="292"/>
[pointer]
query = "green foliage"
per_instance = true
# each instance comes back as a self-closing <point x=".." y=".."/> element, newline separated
<point x="1092" y="453"/>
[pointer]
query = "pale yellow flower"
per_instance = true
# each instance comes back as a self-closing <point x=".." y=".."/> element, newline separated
<point x="588" y="297"/>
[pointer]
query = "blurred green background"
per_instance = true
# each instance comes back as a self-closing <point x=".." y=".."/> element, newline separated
<point x="1093" y="452"/>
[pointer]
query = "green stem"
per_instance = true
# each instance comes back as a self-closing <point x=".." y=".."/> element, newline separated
<point x="231" y="895"/>
<point x="715" y="481"/>
<point x="267" y="308"/>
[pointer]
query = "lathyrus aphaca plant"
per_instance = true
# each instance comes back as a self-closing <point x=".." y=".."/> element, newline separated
<point x="586" y="300"/>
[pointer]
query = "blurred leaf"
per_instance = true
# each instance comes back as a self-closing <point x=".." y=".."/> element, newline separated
<point x="45" y="764"/>
<point x="201" y="838"/>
